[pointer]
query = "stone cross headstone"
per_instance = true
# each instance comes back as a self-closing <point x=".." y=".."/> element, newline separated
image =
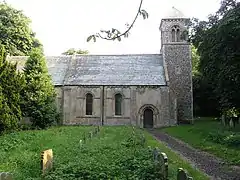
<point x="5" y="176"/>
<point x="46" y="160"/>
<point x="182" y="175"/>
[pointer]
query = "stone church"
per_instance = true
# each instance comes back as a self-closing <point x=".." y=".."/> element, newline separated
<point x="145" y="90"/>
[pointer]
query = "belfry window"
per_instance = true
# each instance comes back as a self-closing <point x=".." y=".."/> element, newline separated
<point x="118" y="104"/>
<point x="175" y="33"/>
<point x="89" y="104"/>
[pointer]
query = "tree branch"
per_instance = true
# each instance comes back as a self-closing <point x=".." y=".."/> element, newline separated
<point x="115" y="34"/>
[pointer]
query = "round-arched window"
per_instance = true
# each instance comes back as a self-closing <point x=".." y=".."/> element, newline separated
<point x="175" y="33"/>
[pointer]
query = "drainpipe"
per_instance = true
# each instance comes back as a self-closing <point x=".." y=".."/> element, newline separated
<point x="102" y="105"/>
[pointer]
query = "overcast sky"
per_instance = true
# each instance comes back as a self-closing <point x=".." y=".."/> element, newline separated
<point x="64" y="24"/>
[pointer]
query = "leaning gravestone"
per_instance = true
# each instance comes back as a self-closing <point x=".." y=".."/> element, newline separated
<point x="46" y="160"/>
<point x="182" y="175"/>
<point x="164" y="164"/>
<point x="162" y="160"/>
<point x="5" y="176"/>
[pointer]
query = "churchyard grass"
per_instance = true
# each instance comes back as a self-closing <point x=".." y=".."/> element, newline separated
<point x="20" y="153"/>
<point x="209" y="135"/>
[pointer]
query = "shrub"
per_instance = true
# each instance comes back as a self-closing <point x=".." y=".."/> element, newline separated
<point x="225" y="137"/>
<point x="232" y="140"/>
<point x="11" y="85"/>
<point x="39" y="94"/>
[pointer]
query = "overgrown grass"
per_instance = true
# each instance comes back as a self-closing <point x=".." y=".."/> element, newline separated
<point x="110" y="152"/>
<point x="209" y="135"/>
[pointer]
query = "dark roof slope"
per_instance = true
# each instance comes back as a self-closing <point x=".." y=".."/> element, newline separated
<point x="140" y="69"/>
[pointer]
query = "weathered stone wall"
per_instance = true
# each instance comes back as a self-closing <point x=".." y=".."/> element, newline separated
<point x="156" y="99"/>
<point x="59" y="99"/>
<point x="74" y="108"/>
<point x="178" y="63"/>
<point x="135" y="100"/>
<point x="109" y="105"/>
<point x="177" y="60"/>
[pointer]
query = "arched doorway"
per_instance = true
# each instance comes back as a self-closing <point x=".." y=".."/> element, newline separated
<point x="148" y="118"/>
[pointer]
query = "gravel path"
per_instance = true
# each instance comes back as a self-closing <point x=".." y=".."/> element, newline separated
<point x="212" y="166"/>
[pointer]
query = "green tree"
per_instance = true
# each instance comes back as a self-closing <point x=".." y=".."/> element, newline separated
<point x="195" y="61"/>
<point x="15" y="32"/>
<point x="218" y="44"/>
<point x="73" y="51"/>
<point x="11" y="85"/>
<point x="39" y="94"/>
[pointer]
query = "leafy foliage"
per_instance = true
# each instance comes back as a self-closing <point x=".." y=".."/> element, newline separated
<point x="205" y="102"/>
<point x="225" y="137"/>
<point x="217" y="41"/>
<point x="105" y="152"/>
<point x="11" y="85"/>
<point x="73" y="51"/>
<point x="39" y="94"/>
<point x="195" y="61"/>
<point x="114" y="34"/>
<point x="129" y="160"/>
<point x="15" y="32"/>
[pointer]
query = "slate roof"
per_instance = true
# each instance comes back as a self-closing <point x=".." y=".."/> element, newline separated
<point x="139" y="69"/>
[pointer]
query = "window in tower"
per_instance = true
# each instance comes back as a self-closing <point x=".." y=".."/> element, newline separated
<point x="175" y="33"/>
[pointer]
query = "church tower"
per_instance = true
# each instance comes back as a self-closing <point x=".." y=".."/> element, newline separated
<point x="176" y="52"/>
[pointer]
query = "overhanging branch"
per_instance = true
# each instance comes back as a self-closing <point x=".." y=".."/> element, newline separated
<point x="114" y="33"/>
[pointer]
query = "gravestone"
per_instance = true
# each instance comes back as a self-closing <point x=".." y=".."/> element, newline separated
<point x="223" y="119"/>
<point x="46" y="160"/>
<point x="231" y="123"/>
<point x="162" y="160"/>
<point x="164" y="164"/>
<point x="5" y="176"/>
<point x="155" y="154"/>
<point x="182" y="175"/>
